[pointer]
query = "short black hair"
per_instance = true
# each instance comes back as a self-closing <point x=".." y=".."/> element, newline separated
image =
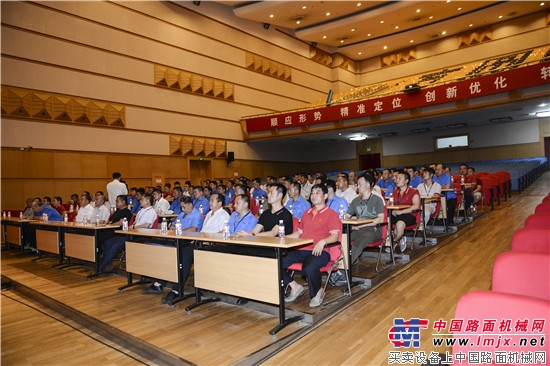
<point x="116" y="175"/>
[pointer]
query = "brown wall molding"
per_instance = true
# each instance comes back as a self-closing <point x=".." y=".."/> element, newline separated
<point x="44" y="106"/>
<point x="268" y="67"/>
<point x="475" y="37"/>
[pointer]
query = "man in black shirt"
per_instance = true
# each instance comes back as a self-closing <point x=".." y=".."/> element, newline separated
<point x="122" y="211"/>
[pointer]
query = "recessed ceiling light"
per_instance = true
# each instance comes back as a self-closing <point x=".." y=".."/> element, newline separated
<point x="543" y="114"/>
<point x="418" y="10"/>
<point x="342" y="40"/>
<point x="411" y="41"/>
<point x="500" y="17"/>
<point x="368" y="35"/>
<point x="358" y="138"/>
<point x="542" y="105"/>
<point x="353" y="29"/>
<point x="459" y="9"/>
<point x="324" y="37"/>
<point x="328" y="14"/>
<point x="396" y="27"/>
<point x="297" y="22"/>
<point x="541" y="4"/>
<point x="359" y="53"/>
<point x="381" y="22"/>
<point x="431" y="16"/>
<point x="304" y="7"/>
<point x="444" y="32"/>
<point x="471" y="25"/>
<point x="358" y="4"/>
<point x="448" y="1"/>
<point x="271" y="15"/>
<point x="385" y="47"/>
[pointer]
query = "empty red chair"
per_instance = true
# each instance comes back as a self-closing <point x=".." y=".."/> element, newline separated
<point x="543" y="208"/>
<point x="536" y="240"/>
<point x="522" y="273"/>
<point x="481" y="305"/>
<point x="538" y="220"/>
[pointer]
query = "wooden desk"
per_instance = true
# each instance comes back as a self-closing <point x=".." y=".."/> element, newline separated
<point x="49" y="238"/>
<point x="14" y="231"/>
<point x="83" y="242"/>
<point x="346" y="241"/>
<point x="249" y="267"/>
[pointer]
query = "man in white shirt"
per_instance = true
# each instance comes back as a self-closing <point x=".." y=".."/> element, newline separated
<point x="161" y="204"/>
<point x="429" y="188"/>
<point x="101" y="211"/>
<point x="86" y="209"/>
<point x="115" y="188"/>
<point x="344" y="190"/>
<point x="217" y="216"/>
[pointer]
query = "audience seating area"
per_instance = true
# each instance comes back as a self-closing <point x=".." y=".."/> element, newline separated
<point x="520" y="290"/>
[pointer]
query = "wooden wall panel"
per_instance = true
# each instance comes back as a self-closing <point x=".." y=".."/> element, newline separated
<point x="67" y="165"/>
<point x="177" y="168"/>
<point x="13" y="196"/>
<point x="119" y="163"/>
<point x="12" y="163"/>
<point x="37" y="188"/>
<point x="38" y="164"/>
<point x="94" y="166"/>
<point x="65" y="187"/>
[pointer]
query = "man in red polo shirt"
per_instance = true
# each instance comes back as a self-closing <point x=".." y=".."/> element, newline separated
<point x="404" y="195"/>
<point x="321" y="224"/>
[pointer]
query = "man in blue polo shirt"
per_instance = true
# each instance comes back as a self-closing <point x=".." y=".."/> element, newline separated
<point x="296" y="204"/>
<point x="242" y="218"/>
<point x="40" y="209"/>
<point x="446" y="182"/>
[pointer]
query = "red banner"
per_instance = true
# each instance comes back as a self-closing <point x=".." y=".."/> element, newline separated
<point x="491" y="84"/>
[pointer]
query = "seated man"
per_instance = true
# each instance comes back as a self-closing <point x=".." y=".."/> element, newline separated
<point x="415" y="179"/>
<point x="222" y="190"/>
<point x="191" y="220"/>
<point x="86" y="210"/>
<point x="58" y="205"/>
<point x="296" y="203"/>
<point x="469" y="186"/>
<point x="122" y="212"/>
<point x="446" y="182"/>
<point x="344" y="190"/>
<point x="199" y="201"/>
<point x="257" y="192"/>
<point x="161" y="204"/>
<point x="47" y="201"/>
<point x="321" y="224"/>
<point x="242" y="218"/>
<point x="175" y="206"/>
<point x="167" y="193"/>
<point x="140" y="192"/>
<point x="39" y="209"/>
<point x="429" y="188"/>
<point x="404" y="195"/>
<point x="334" y="202"/>
<point x="144" y="219"/>
<point x="101" y="212"/>
<point x="477" y="191"/>
<point x="28" y="212"/>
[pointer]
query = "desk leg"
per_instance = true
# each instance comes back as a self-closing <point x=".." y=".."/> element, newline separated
<point x="282" y="321"/>
<point x="390" y="229"/>
<point x="347" y="228"/>
<point x="142" y="281"/>
<point x="181" y="275"/>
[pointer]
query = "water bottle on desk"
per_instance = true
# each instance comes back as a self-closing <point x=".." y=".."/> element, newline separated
<point x="125" y="224"/>
<point x="4" y="215"/>
<point x="225" y="232"/>
<point x="164" y="226"/>
<point x="20" y="215"/>
<point x="97" y="220"/>
<point x="9" y="215"/>
<point x="71" y="208"/>
<point x="65" y="219"/>
<point x="45" y="217"/>
<point x="178" y="228"/>
<point x="291" y="210"/>
<point x="281" y="229"/>
<point x="342" y="212"/>
<point x="391" y="199"/>
<point x="84" y="220"/>
<point x="462" y="180"/>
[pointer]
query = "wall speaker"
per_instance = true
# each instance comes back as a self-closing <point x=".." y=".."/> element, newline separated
<point x="412" y="88"/>
<point x="230" y="157"/>
<point x="266" y="25"/>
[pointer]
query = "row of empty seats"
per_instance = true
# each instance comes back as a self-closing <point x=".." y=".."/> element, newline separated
<point x="520" y="293"/>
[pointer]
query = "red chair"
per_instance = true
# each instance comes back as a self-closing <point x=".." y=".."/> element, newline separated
<point x="502" y="183"/>
<point x="458" y="191"/>
<point x="131" y="222"/>
<point x="487" y="192"/>
<point x="336" y="252"/>
<point x="543" y="208"/>
<point x="538" y="220"/>
<point x="72" y="216"/>
<point x="522" y="273"/>
<point x="508" y="179"/>
<point x="536" y="240"/>
<point x="483" y="305"/>
<point x="155" y="223"/>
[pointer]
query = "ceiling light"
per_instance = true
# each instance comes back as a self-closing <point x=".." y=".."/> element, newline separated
<point x="418" y="10"/>
<point x="431" y="16"/>
<point x="541" y="4"/>
<point x="396" y="27"/>
<point x="543" y="114"/>
<point x="385" y="47"/>
<point x="297" y="22"/>
<point x="459" y="9"/>
<point x="359" y="53"/>
<point x="271" y="15"/>
<point x="353" y="29"/>
<point x="304" y="7"/>
<point x="358" y="138"/>
<point x="471" y="25"/>
<point x="542" y="105"/>
<point x="359" y="4"/>
<point x="411" y="41"/>
<point x="381" y="22"/>
<point x="500" y="17"/>
<point x="444" y="32"/>
<point x="368" y="35"/>
<point x="328" y="14"/>
<point x="324" y="37"/>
